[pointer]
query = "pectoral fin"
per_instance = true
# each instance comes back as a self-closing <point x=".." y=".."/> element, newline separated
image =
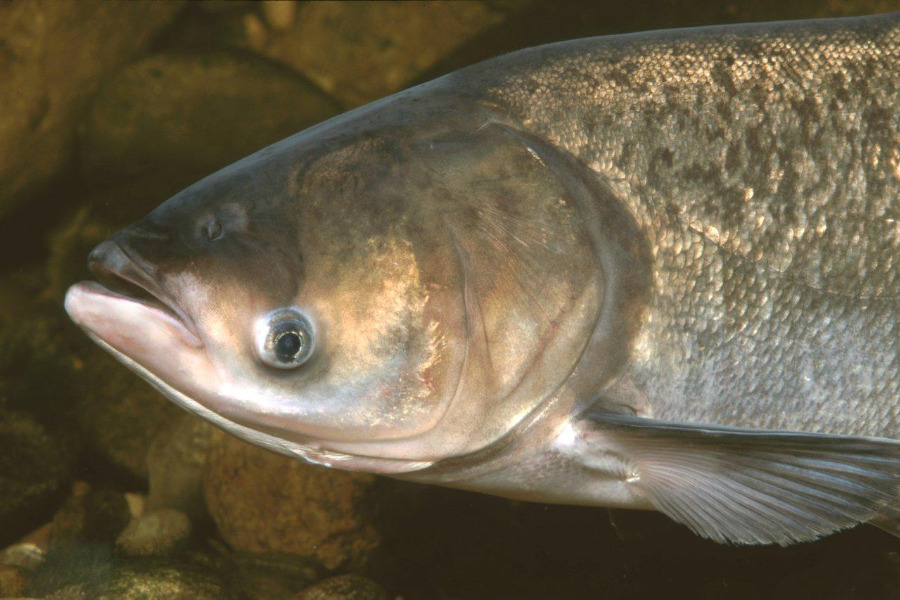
<point x="751" y="487"/>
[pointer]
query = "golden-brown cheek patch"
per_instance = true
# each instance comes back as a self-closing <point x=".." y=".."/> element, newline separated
<point x="378" y="330"/>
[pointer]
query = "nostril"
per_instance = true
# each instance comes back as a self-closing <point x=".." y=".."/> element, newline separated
<point x="106" y="256"/>
<point x="106" y="262"/>
<point x="213" y="229"/>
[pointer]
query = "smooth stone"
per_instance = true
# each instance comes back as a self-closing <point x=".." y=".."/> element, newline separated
<point x="69" y="568"/>
<point x="36" y="373"/>
<point x="24" y="555"/>
<point x="90" y="516"/>
<point x="270" y="576"/>
<point x="266" y="502"/>
<point x="92" y="572"/>
<point x="18" y="289"/>
<point x="33" y="471"/>
<point x="279" y="14"/>
<point x="177" y="117"/>
<point x="153" y="580"/>
<point x="53" y="56"/>
<point x="137" y="504"/>
<point x="119" y="413"/>
<point x="222" y="6"/>
<point x="159" y="532"/>
<point x="72" y="592"/>
<point x="362" y="51"/>
<point x="344" y="587"/>
<point x="148" y="579"/>
<point x="13" y="581"/>
<point x="176" y="461"/>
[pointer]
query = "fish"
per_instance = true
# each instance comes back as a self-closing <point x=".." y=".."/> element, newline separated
<point x="651" y="271"/>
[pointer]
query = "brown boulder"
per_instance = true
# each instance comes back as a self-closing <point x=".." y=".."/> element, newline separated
<point x="176" y="117"/>
<point x="119" y="413"/>
<point x="52" y="56"/>
<point x="265" y="502"/>
<point x="361" y="51"/>
<point x="344" y="587"/>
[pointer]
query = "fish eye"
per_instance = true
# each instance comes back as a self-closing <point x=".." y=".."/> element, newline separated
<point x="284" y="339"/>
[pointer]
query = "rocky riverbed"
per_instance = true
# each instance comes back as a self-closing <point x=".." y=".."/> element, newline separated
<point x="109" y="491"/>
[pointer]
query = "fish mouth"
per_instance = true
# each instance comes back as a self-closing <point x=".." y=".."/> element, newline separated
<point x="121" y="281"/>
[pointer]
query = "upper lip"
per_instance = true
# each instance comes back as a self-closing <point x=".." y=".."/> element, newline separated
<point x="122" y="273"/>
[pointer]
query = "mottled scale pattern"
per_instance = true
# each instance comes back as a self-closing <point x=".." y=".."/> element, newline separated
<point x="763" y="164"/>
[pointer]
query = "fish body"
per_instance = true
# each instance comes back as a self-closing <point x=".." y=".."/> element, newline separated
<point x="644" y="271"/>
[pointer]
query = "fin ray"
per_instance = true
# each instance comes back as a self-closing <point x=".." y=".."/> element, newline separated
<point x="756" y="487"/>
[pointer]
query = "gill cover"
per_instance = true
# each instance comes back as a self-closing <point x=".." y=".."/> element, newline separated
<point x="455" y="282"/>
<point x="537" y="278"/>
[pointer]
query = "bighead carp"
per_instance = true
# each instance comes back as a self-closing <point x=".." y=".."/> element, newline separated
<point x="656" y="271"/>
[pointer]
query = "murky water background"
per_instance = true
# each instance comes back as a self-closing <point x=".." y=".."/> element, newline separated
<point x="106" y="489"/>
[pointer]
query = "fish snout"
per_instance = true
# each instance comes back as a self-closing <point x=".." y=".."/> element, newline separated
<point x="128" y="255"/>
<point x="123" y="271"/>
<point x="114" y="266"/>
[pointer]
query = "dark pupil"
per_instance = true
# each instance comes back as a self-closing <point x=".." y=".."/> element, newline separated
<point x="288" y="345"/>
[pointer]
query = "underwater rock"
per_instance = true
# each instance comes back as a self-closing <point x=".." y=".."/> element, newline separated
<point x="29" y="553"/>
<point x="69" y="245"/>
<point x="36" y="372"/>
<point x="156" y="533"/>
<point x="223" y="6"/>
<point x="362" y="51"/>
<point x="357" y="51"/>
<point x="148" y="579"/>
<point x="33" y="469"/>
<point x="137" y="504"/>
<point x="72" y="592"/>
<point x="270" y="576"/>
<point x="17" y="562"/>
<point x="18" y="289"/>
<point x="69" y="568"/>
<point x="139" y="580"/>
<point x="120" y="413"/>
<point x="176" y="460"/>
<point x="13" y="581"/>
<point x="344" y="587"/>
<point x="265" y="502"/>
<point x="279" y="15"/>
<point x="90" y="516"/>
<point x="177" y="117"/>
<point x="52" y="56"/>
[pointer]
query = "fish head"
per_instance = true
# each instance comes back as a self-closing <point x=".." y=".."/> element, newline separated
<point x="377" y="293"/>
